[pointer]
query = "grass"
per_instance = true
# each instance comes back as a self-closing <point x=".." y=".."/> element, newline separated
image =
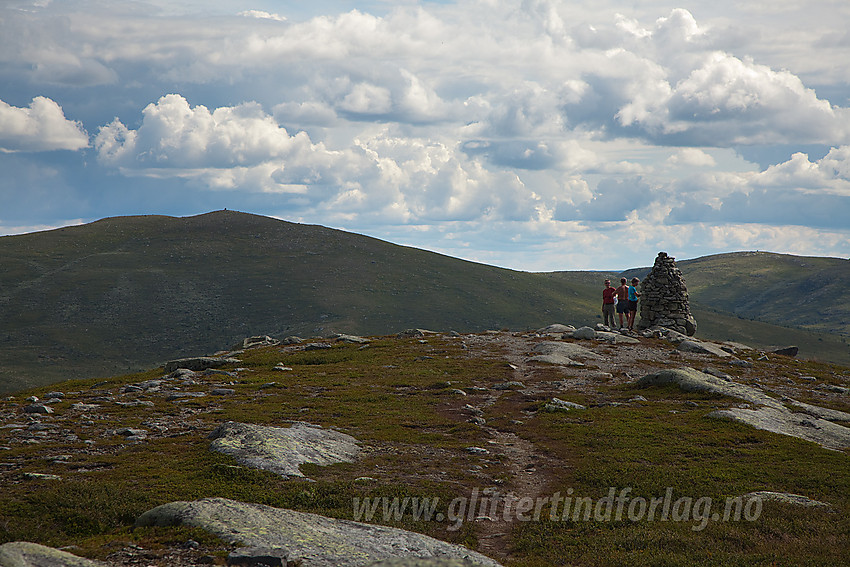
<point x="400" y="398"/>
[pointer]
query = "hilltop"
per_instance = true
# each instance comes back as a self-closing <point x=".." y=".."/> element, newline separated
<point x="123" y="294"/>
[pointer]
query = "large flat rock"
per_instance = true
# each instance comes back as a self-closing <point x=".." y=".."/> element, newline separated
<point x="283" y="450"/>
<point x="690" y="380"/>
<point x="565" y="349"/>
<point x="769" y="414"/>
<point x="317" y="541"/>
<point x="803" y="426"/>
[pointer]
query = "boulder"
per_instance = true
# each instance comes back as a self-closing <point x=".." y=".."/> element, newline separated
<point x="584" y="333"/>
<point x="787" y="351"/>
<point x="258" y="341"/>
<point x="701" y="347"/>
<point x="314" y="540"/>
<point x="562" y="405"/>
<point x="343" y="338"/>
<point x="616" y="338"/>
<point x="26" y="554"/>
<point x="566" y="349"/>
<point x="556" y="329"/>
<point x="283" y="449"/>
<point x="199" y="363"/>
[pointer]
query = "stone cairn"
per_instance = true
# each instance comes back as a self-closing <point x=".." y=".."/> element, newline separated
<point x="664" y="298"/>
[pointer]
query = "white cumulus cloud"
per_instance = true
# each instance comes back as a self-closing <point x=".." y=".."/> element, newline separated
<point x="40" y="127"/>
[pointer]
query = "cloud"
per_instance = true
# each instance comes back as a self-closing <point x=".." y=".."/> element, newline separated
<point x="262" y="15"/>
<point x="796" y="192"/>
<point x="40" y="127"/>
<point x="691" y="157"/>
<point x="174" y="135"/>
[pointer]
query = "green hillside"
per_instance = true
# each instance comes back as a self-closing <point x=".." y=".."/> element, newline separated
<point x="125" y="293"/>
<point x="791" y="291"/>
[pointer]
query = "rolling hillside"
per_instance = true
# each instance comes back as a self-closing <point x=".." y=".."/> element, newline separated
<point x="793" y="291"/>
<point x="122" y="294"/>
<point x="127" y="293"/>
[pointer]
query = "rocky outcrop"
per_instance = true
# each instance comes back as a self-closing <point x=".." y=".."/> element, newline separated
<point x="258" y="341"/>
<point x="561" y="353"/>
<point x="664" y="298"/>
<point x="26" y="554"/>
<point x="315" y="541"/>
<point x="825" y="433"/>
<point x="787" y="498"/>
<point x="701" y="347"/>
<point x="769" y="413"/>
<point x="282" y="450"/>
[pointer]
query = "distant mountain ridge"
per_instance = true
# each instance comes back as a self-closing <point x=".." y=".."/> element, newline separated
<point x="127" y="293"/>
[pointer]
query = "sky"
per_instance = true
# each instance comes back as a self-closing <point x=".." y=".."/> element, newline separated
<point x="537" y="135"/>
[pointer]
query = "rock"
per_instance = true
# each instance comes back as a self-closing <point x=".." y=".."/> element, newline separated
<point x="569" y="350"/>
<point x="26" y="554"/>
<point x="292" y="340"/>
<point x="584" y="333"/>
<point x="259" y="341"/>
<point x="512" y="385"/>
<point x="342" y="338"/>
<point x="781" y="420"/>
<point x="616" y="338"/>
<point x="283" y="450"/>
<point x="561" y="405"/>
<point x="555" y="358"/>
<point x="824" y="413"/>
<point x="184" y="395"/>
<point x="199" y="363"/>
<point x="477" y="450"/>
<point x="690" y="380"/>
<point x="701" y="347"/>
<point x="38" y="408"/>
<point x="717" y="374"/>
<point x="316" y="540"/>
<point x="56" y="396"/>
<point x="675" y="337"/>
<point x="414" y="333"/>
<point x="222" y="392"/>
<point x="787" y="351"/>
<point x="39" y="476"/>
<point x="317" y="346"/>
<point x="259" y="556"/>
<point x="131" y="432"/>
<point x="786" y="498"/>
<point x="556" y="329"/>
<point x="423" y="562"/>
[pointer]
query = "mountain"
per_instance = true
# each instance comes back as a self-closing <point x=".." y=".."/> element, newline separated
<point x="127" y="293"/>
<point x="122" y="294"/>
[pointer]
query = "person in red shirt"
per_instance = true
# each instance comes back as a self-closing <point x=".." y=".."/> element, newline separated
<point x="608" y="304"/>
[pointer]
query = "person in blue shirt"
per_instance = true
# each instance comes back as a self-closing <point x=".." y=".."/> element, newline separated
<point x="633" y="302"/>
